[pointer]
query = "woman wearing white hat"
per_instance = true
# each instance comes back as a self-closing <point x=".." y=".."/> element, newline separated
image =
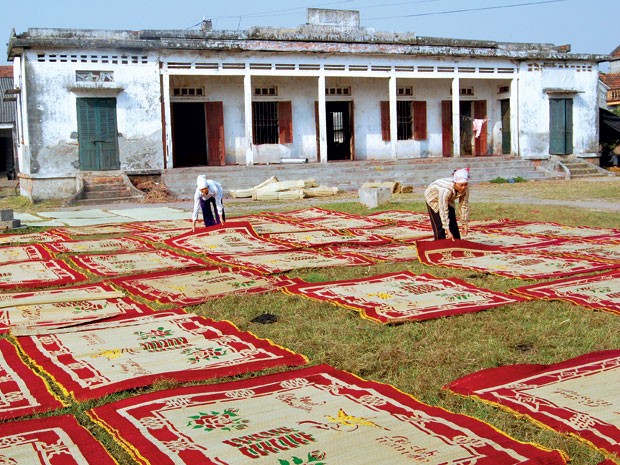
<point x="208" y="199"/>
<point x="441" y="196"/>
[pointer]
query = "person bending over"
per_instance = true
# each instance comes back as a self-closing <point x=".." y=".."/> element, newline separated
<point x="441" y="196"/>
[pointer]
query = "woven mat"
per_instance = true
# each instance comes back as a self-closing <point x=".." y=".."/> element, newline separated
<point x="316" y="416"/>
<point x="230" y="238"/>
<point x="497" y="260"/>
<point x="22" y="392"/>
<point x="553" y="230"/>
<point x="396" y="216"/>
<point x="27" y="320"/>
<point x="197" y="286"/>
<point x="593" y="250"/>
<point x="388" y="252"/>
<point x="279" y="262"/>
<point x="578" y="396"/>
<point x="93" y="230"/>
<point x="401" y="232"/>
<point x="325" y="237"/>
<point x="125" y="244"/>
<point x="23" y="253"/>
<point x="327" y="219"/>
<point x="503" y="239"/>
<point x="135" y="262"/>
<point x="136" y="352"/>
<point x="403" y="296"/>
<point x="599" y="292"/>
<point x="38" y="237"/>
<point x="264" y="224"/>
<point x="166" y="225"/>
<point x="38" y="273"/>
<point x="159" y="236"/>
<point x="58" y="440"/>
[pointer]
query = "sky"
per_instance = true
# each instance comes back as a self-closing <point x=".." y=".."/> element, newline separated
<point x="580" y="23"/>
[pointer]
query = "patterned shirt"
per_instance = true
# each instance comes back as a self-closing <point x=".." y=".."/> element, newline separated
<point x="440" y="194"/>
<point x="215" y="190"/>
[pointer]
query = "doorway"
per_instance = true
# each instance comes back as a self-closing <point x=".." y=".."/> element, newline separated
<point x="97" y="134"/>
<point x="189" y="138"/>
<point x="561" y="126"/>
<point x="506" y="137"/>
<point x="339" y="130"/>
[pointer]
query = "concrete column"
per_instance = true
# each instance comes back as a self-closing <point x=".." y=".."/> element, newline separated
<point x="247" y="107"/>
<point x="167" y="118"/>
<point x="456" y="117"/>
<point x="393" y="118"/>
<point x="515" y="146"/>
<point x="322" y="118"/>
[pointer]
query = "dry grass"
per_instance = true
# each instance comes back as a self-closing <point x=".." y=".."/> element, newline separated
<point x="421" y="357"/>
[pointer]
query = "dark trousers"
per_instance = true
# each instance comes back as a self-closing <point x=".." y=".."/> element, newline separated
<point x="209" y="212"/>
<point x="438" y="230"/>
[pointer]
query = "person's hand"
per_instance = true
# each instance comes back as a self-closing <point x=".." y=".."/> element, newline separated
<point x="449" y="235"/>
<point x="465" y="230"/>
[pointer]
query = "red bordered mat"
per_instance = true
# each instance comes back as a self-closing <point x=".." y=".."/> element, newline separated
<point x="23" y="253"/>
<point x="39" y="273"/>
<point x="56" y="440"/>
<point x="22" y="391"/>
<point x="317" y="415"/>
<point x="579" y="396"/>
<point x="403" y="296"/>
<point x="91" y="363"/>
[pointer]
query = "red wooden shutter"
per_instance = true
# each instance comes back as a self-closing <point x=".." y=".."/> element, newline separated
<point x="480" y="112"/>
<point x="285" y="122"/>
<point x="446" y="128"/>
<point x="385" y="121"/>
<point x="216" y="149"/>
<point x="419" y="120"/>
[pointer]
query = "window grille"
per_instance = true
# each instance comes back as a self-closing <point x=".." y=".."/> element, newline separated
<point x="337" y="91"/>
<point x="404" y="91"/>
<point x="265" y="122"/>
<point x="188" y="92"/>
<point x="404" y="120"/>
<point x="270" y="91"/>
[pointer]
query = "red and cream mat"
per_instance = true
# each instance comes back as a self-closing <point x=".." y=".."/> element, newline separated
<point x="38" y="273"/>
<point x="229" y="238"/>
<point x="124" y="244"/>
<point x="135" y="262"/>
<point x="200" y="285"/>
<point x="22" y="392"/>
<point x="317" y="415"/>
<point x="23" y="253"/>
<point x="30" y="238"/>
<point x="598" y="292"/>
<point x="134" y="352"/>
<point x="58" y="440"/>
<point x="555" y="230"/>
<point x="398" y="297"/>
<point x="579" y="396"/>
<point x="497" y="260"/>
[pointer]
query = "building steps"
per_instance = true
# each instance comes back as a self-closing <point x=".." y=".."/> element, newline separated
<point x="350" y="175"/>
<point x="105" y="187"/>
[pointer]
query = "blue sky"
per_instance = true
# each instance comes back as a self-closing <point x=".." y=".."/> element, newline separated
<point x="581" y="23"/>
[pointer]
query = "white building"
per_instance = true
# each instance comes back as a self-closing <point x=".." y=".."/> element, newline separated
<point x="147" y="101"/>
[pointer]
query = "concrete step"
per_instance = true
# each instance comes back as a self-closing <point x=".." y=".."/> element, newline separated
<point x="105" y="200"/>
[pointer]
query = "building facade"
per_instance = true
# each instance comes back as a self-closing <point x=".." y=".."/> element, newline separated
<point x="330" y="90"/>
<point x="8" y="130"/>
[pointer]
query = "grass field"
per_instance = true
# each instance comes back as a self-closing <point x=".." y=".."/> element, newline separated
<point x="419" y="358"/>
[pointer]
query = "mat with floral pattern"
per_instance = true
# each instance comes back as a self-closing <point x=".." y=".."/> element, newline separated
<point x="266" y="223"/>
<point x="22" y="392"/>
<point x="39" y="273"/>
<point x="552" y="230"/>
<point x="135" y="262"/>
<point x="317" y="416"/>
<point x="125" y="244"/>
<point x="403" y="296"/>
<point x="598" y="292"/>
<point x="97" y="229"/>
<point x="396" y="252"/>
<point x="326" y="237"/>
<point x="397" y="216"/>
<point x="23" y="253"/>
<point x="90" y="363"/>
<point x="329" y="219"/>
<point x="200" y="285"/>
<point x="165" y="225"/>
<point x="28" y="238"/>
<point x="591" y="249"/>
<point x="58" y="440"/>
<point x="230" y="238"/>
<point x="400" y="232"/>
<point x="497" y="260"/>
<point x="579" y="396"/>
<point x="504" y="239"/>
<point x="279" y="262"/>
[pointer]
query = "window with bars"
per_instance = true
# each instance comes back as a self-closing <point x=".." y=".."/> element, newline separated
<point x="265" y="122"/>
<point x="404" y="120"/>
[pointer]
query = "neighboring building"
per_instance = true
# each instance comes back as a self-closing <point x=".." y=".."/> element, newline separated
<point x="147" y="101"/>
<point x="612" y="81"/>
<point x="7" y="122"/>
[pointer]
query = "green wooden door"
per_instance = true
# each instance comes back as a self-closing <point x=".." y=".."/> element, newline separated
<point x="97" y="134"/>
<point x="561" y="126"/>
<point x="506" y="137"/>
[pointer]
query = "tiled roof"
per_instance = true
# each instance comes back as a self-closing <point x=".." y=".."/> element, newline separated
<point x="616" y="52"/>
<point x="6" y="71"/>
<point x="611" y="80"/>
